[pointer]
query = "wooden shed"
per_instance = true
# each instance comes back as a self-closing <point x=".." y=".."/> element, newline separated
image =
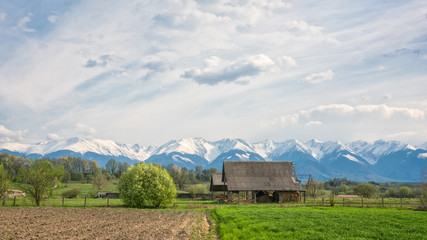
<point x="266" y="181"/>
<point x="217" y="185"/>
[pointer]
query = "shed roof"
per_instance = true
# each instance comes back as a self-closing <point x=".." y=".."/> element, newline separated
<point x="216" y="183"/>
<point x="260" y="176"/>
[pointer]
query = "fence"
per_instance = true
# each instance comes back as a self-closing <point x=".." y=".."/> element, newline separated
<point x="198" y="195"/>
<point x="408" y="203"/>
<point x="65" y="202"/>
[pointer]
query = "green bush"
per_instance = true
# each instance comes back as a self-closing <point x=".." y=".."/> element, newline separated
<point x="365" y="190"/>
<point x="77" y="176"/>
<point x="145" y="185"/>
<point x="71" y="193"/>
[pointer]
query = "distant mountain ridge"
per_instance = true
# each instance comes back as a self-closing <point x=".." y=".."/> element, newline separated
<point x="359" y="161"/>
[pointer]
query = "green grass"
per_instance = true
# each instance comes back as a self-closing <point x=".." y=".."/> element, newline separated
<point x="85" y="188"/>
<point x="261" y="222"/>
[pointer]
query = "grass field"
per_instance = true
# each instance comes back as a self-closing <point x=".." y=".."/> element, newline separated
<point x="260" y="222"/>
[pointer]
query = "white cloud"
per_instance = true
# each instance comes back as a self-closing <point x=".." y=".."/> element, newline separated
<point x="7" y="135"/>
<point x="314" y="123"/>
<point x="287" y="61"/>
<point x="321" y="77"/>
<point x="83" y="129"/>
<point x="52" y="18"/>
<point x="343" y="112"/>
<point x="217" y="70"/>
<point x="22" y="24"/>
<point x="52" y="136"/>
<point x="63" y="77"/>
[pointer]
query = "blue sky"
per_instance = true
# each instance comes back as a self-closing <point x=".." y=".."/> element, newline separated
<point x="150" y="71"/>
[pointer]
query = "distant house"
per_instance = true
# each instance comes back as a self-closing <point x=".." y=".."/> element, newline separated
<point x="15" y="193"/>
<point x="264" y="181"/>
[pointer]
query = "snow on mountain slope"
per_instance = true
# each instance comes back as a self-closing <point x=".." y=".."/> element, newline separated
<point x="195" y="146"/>
<point x="264" y="149"/>
<point x="15" y="147"/>
<point x="319" y="149"/>
<point x="211" y="150"/>
<point x="83" y="145"/>
<point x="374" y="151"/>
<point x="351" y="158"/>
<point x="288" y="146"/>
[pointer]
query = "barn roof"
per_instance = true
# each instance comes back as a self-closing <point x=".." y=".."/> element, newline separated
<point x="216" y="183"/>
<point x="260" y="176"/>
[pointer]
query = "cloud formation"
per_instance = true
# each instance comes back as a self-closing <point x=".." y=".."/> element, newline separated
<point x="343" y="112"/>
<point x="217" y="70"/>
<point x="101" y="62"/>
<point x="22" y="24"/>
<point x="287" y="61"/>
<point x="321" y="77"/>
<point x="52" y="18"/>
<point x="7" y="136"/>
<point x="135" y="63"/>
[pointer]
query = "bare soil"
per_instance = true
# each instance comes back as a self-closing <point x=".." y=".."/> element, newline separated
<point x="91" y="223"/>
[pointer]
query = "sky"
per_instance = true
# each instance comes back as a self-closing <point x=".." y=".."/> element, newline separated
<point x="148" y="72"/>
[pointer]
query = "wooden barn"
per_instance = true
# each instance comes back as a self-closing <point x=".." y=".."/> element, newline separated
<point x="217" y="185"/>
<point x="262" y="181"/>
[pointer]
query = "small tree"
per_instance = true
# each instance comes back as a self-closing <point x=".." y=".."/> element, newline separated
<point x="99" y="181"/>
<point x="365" y="190"/>
<point x="145" y="185"/>
<point x="39" y="178"/>
<point x="4" y="183"/>
<point x="332" y="199"/>
<point x="404" y="192"/>
<point x="196" y="189"/>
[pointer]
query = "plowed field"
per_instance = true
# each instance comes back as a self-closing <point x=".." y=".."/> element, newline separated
<point x="74" y="223"/>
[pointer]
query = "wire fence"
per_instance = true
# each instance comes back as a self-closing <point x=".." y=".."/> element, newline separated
<point x="84" y="202"/>
<point x="404" y="203"/>
<point x="64" y="202"/>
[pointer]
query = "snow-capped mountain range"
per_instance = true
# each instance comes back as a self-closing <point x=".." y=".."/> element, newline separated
<point x="360" y="161"/>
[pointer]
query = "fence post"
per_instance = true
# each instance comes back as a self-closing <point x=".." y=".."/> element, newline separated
<point x="108" y="201"/>
<point x="14" y="200"/>
<point x="323" y="201"/>
<point x="304" y="197"/>
<point x="382" y="202"/>
<point x="401" y="202"/>
<point x="85" y="202"/>
<point x="362" y="201"/>
<point x="343" y="202"/>
<point x="63" y="201"/>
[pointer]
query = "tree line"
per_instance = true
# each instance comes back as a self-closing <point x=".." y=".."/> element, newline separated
<point x="183" y="176"/>
<point x="343" y="186"/>
<point x="75" y="168"/>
